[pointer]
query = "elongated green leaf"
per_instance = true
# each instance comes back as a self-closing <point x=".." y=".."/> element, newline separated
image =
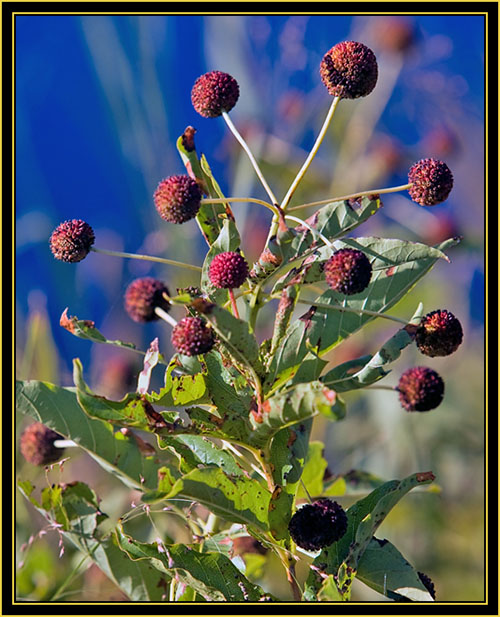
<point x="120" y="453"/>
<point x="75" y="507"/>
<point x="302" y="402"/>
<point x="227" y="240"/>
<point x="384" y="569"/>
<point x="212" y="575"/>
<point x="322" y="328"/>
<point x="228" y="390"/>
<point x="235" y="498"/>
<point x="180" y="391"/>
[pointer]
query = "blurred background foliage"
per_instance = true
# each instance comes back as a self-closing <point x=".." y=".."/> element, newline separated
<point x="100" y="101"/>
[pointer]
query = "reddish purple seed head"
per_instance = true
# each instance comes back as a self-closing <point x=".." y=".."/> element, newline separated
<point x="228" y="270"/>
<point x="431" y="181"/>
<point x="349" y="70"/>
<point x="142" y="296"/>
<point x="348" y="271"/>
<point x="439" y="334"/>
<point x="71" y="241"/>
<point x="213" y="93"/>
<point x="37" y="444"/>
<point x="191" y="336"/>
<point x="420" y="389"/>
<point x="177" y="199"/>
<point x="317" y="525"/>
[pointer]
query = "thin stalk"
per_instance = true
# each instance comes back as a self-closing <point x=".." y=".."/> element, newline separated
<point x="314" y="232"/>
<point x="245" y="147"/>
<point x="161" y="260"/>
<point x="391" y="388"/>
<point x="165" y="316"/>
<point x="242" y="200"/>
<point x="311" y="154"/>
<point x="233" y="304"/>
<point x="305" y="490"/>
<point x="69" y="579"/>
<point x="237" y="453"/>
<point x="393" y="189"/>
<point x="348" y="309"/>
<point x="171" y="594"/>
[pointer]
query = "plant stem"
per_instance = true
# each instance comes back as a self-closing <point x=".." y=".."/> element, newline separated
<point x="393" y="189"/>
<point x="314" y="232"/>
<point x="74" y="572"/>
<point x="245" y="147"/>
<point x="348" y="309"/>
<point x="233" y="304"/>
<point x="165" y="316"/>
<point x="305" y="490"/>
<point x="391" y="388"/>
<point x="161" y="260"/>
<point x="242" y="200"/>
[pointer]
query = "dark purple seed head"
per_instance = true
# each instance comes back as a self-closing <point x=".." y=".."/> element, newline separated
<point x="142" y="296"/>
<point x="317" y="525"/>
<point x="348" y="271"/>
<point x="439" y="334"/>
<point x="71" y="241"/>
<point x="37" y="445"/>
<point x="428" y="584"/>
<point x="349" y="70"/>
<point x="228" y="270"/>
<point x="191" y="336"/>
<point x="420" y="389"/>
<point x="177" y="199"/>
<point x="431" y="181"/>
<point x="213" y="93"/>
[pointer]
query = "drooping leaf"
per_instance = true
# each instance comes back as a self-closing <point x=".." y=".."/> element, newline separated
<point x="325" y="325"/>
<point x="383" y="568"/>
<point x="118" y="453"/>
<point x="212" y="575"/>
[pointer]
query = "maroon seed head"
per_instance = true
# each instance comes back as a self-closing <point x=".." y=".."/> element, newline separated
<point x="71" y="241"/>
<point x="191" y="336"/>
<point x="228" y="270"/>
<point x="348" y="271"/>
<point x="431" y="181"/>
<point x="177" y="199"/>
<point x="37" y="444"/>
<point x="142" y="296"/>
<point x="349" y="70"/>
<point x="420" y="389"/>
<point x="439" y="334"/>
<point x="317" y="525"/>
<point x="213" y="93"/>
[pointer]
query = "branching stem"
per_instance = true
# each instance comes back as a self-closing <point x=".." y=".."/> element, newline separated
<point x="267" y="205"/>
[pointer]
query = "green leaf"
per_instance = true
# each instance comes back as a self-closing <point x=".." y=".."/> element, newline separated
<point x="118" y="453"/>
<point x="300" y="403"/>
<point x="354" y="482"/>
<point x="322" y="328"/>
<point x="384" y="569"/>
<point x="212" y="575"/>
<point x="314" y="471"/>
<point x="328" y="591"/>
<point x="227" y="240"/>
<point x="180" y="391"/>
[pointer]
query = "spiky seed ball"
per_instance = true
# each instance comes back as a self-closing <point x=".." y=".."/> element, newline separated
<point x="420" y="389"/>
<point x="213" y="93"/>
<point x="191" y="336"/>
<point x="431" y="181"/>
<point x="317" y="525"/>
<point x="142" y="296"/>
<point x="177" y="198"/>
<point x="37" y="444"/>
<point x="439" y="334"/>
<point x="348" y="271"/>
<point x="228" y="270"/>
<point x="428" y="584"/>
<point x="71" y="241"/>
<point x="349" y="70"/>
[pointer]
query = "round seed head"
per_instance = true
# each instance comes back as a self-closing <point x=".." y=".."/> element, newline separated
<point x="213" y="93"/>
<point x="71" y="241"/>
<point x="317" y="525"/>
<point x="228" y="270"/>
<point x="428" y="584"/>
<point x="191" y="336"/>
<point x="439" y="334"/>
<point x="420" y="389"/>
<point x="431" y="181"/>
<point x="348" y="271"/>
<point x="349" y="70"/>
<point x="177" y="199"/>
<point x="142" y="296"/>
<point x="37" y="444"/>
